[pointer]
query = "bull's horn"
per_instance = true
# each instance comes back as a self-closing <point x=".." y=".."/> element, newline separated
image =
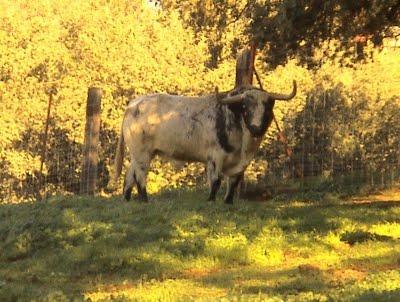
<point x="279" y="96"/>
<point x="232" y="99"/>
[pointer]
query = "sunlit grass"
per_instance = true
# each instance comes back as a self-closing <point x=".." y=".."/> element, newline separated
<point x="180" y="247"/>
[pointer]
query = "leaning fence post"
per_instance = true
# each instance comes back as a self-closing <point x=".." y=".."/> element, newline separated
<point x="244" y="77"/>
<point x="245" y="66"/>
<point x="91" y="142"/>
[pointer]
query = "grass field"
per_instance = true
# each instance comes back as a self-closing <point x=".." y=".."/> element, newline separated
<point x="181" y="248"/>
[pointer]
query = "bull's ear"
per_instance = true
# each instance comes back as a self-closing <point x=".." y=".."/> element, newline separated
<point x="232" y="99"/>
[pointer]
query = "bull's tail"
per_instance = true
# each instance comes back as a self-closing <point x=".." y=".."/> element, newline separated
<point x="119" y="157"/>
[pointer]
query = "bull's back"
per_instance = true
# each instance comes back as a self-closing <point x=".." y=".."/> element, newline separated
<point x="176" y="127"/>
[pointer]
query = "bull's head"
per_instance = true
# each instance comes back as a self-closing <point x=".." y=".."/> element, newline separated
<point x="256" y="107"/>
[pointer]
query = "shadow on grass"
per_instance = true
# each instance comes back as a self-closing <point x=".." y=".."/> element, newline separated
<point x="75" y="243"/>
<point x="282" y="282"/>
<point x="323" y="217"/>
<point x="278" y="281"/>
<point x="389" y="261"/>
<point x="77" y="240"/>
<point x="362" y="236"/>
<point x="363" y="279"/>
<point x="376" y="295"/>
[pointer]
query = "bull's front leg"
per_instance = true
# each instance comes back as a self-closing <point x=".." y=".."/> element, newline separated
<point x="214" y="178"/>
<point x="233" y="182"/>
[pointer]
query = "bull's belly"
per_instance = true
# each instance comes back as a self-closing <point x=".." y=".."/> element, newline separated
<point x="233" y="170"/>
<point x="234" y="165"/>
<point x="184" y="143"/>
<point x="182" y="153"/>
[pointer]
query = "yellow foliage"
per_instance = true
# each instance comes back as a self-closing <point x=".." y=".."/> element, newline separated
<point x="121" y="46"/>
<point x="128" y="49"/>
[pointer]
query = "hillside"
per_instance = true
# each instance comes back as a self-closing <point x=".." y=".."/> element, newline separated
<point x="180" y="247"/>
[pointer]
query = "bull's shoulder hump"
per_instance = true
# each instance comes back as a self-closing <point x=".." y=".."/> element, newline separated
<point x="141" y="99"/>
<point x="192" y="100"/>
<point x="170" y="98"/>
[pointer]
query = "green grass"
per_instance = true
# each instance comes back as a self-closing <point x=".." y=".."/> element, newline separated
<point x="181" y="248"/>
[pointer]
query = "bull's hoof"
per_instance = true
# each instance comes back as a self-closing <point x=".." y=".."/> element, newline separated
<point x="228" y="201"/>
<point x="144" y="200"/>
<point x="128" y="194"/>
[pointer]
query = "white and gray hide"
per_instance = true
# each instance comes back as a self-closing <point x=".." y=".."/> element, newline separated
<point x="223" y="130"/>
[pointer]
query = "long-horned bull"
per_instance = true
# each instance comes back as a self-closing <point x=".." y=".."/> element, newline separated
<point x="222" y="130"/>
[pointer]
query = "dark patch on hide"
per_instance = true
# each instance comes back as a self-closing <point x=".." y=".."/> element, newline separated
<point x="192" y="126"/>
<point x="228" y="120"/>
<point x="236" y="110"/>
<point x="136" y="112"/>
<point x="194" y="121"/>
<point x="221" y="130"/>
<point x="144" y="137"/>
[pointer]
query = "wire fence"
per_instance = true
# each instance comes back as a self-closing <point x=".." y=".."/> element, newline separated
<point x="336" y="145"/>
<point x="339" y="145"/>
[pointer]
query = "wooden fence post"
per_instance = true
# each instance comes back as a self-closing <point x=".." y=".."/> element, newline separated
<point x="91" y="142"/>
<point x="43" y="156"/>
<point x="244" y="77"/>
<point x="245" y="66"/>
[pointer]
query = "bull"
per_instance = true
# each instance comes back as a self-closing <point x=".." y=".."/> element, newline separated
<point x="222" y="130"/>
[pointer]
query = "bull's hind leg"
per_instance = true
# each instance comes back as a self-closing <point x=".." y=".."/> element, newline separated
<point x="214" y="179"/>
<point x="129" y="182"/>
<point x="137" y="174"/>
<point x="140" y="169"/>
<point x="233" y="182"/>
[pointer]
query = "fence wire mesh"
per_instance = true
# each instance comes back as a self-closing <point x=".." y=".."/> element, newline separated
<point x="339" y="143"/>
